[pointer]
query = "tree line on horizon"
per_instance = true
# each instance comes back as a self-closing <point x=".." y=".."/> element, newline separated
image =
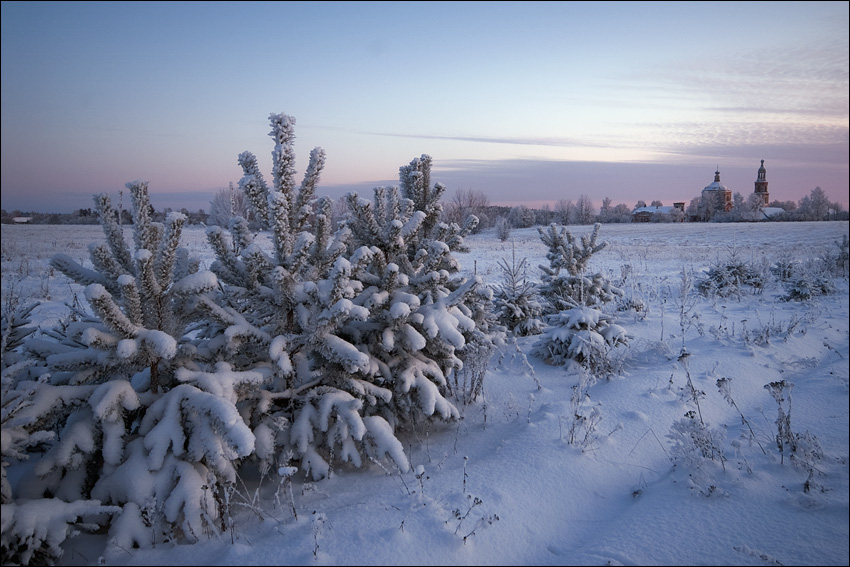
<point x="815" y="206"/>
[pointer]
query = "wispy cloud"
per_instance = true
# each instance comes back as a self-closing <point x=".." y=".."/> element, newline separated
<point x="519" y="141"/>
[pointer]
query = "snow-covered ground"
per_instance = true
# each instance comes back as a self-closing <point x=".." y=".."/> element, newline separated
<point x="519" y="481"/>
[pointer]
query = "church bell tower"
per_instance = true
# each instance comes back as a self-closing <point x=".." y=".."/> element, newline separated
<point x="761" y="185"/>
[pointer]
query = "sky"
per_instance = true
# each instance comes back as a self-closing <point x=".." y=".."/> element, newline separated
<point x="526" y="102"/>
<point x="627" y="491"/>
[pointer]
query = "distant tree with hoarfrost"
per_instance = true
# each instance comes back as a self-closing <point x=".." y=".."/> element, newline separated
<point x="228" y="204"/>
<point x="585" y="212"/>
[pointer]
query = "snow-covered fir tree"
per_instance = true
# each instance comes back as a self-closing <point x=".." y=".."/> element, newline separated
<point x="584" y="335"/>
<point x="517" y="302"/>
<point x="578" y="330"/>
<point x="331" y="312"/>
<point x="565" y="280"/>
<point x="145" y="420"/>
<point x="431" y="330"/>
<point x="284" y="313"/>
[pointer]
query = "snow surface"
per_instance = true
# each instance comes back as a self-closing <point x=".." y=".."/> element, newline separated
<point x="504" y="486"/>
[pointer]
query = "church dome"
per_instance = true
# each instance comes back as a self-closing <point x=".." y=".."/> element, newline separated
<point x="717" y="185"/>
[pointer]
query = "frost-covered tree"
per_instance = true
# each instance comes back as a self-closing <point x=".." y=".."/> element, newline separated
<point x="517" y="303"/>
<point x="464" y="203"/>
<point x="357" y="325"/>
<point x="432" y="325"/>
<point x="521" y="216"/>
<point x="565" y="281"/>
<point x="565" y="211"/>
<point x="577" y="328"/>
<point x="227" y="204"/>
<point x="585" y="212"/>
<point x="503" y="228"/>
<point x="143" y="418"/>
<point x="814" y="206"/>
<point x="755" y="203"/>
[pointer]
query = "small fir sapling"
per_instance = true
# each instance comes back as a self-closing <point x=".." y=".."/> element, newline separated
<point x="427" y="322"/>
<point x="578" y="330"/>
<point x="632" y="300"/>
<point x="730" y="277"/>
<point x="565" y="281"/>
<point x="134" y="422"/>
<point x="516" y="300"/>
<point x="582" y="335"/>
<point x="808" y="282"/>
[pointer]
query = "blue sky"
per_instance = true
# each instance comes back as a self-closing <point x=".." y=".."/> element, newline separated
<point x="528" y="102"/>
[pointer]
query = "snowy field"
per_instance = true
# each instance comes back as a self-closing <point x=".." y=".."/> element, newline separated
<point x="518" y="481"/>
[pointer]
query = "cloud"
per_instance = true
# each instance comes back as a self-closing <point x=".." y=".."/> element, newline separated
<point x="520" y="141"/>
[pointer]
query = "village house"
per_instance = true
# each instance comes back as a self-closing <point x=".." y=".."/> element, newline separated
<point x="676" y="213"/>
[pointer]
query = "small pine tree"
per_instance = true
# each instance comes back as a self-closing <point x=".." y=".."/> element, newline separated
<point x="138" y="423"/>
<point x="584" y="335"/>
<point x="517" y="302"/>
<point x="564" y="281"/>
<point x="503" y="228"/>
<point x="578" y="330"/>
